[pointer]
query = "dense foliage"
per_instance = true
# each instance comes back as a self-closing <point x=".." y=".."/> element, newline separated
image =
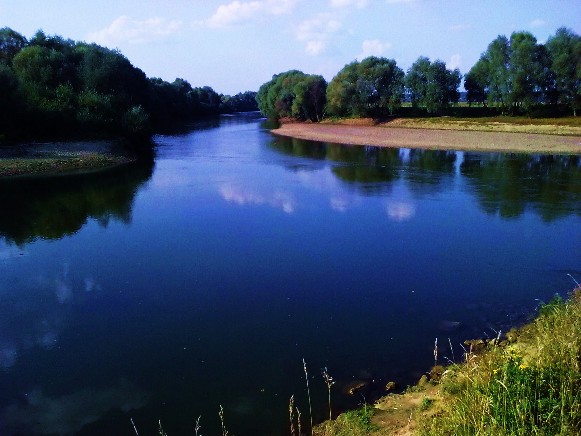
<point x="293" y="94"/>
<point x="518" y="74"/>
<point x="51" y="85"/>
<point x="431" y="85"/>
<point x="370" y="88"/>
<point x="515" y="75"/>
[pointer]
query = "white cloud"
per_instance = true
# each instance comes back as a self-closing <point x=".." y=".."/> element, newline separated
<point x="317" y="32"/>
<point x="537" y="23"/>
<point x="235" y="12"/>
<point x="454" y="62"/>
<point x="315" y="48"/>
<point x="280" y="7"/>
<point x="238" y="12"/>
<point x="125" y="29"/>
<point x="347" y="3"/>
<point x="373" y="47"/>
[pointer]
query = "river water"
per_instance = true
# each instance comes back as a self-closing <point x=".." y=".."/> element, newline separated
<point x="163" y="291"/>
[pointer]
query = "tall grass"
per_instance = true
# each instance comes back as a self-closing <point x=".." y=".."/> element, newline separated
<point x="532" y="387"/>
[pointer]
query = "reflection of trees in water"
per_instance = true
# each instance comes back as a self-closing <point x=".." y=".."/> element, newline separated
<point x="54" y="207"/>
<point x="371" y="166"/>
<point x="503" y="183"/>
<point x="430" y="169"/>
<point x="509" y="183"/>
<point x="299" y="147"/>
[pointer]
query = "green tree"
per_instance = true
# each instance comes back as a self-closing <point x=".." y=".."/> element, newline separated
<point x="476" y="82"/>
<point x="514" y="74"/>
<point x="11" y="43"/>
<point x="498" y="58"/>
<point x="432" y="85"/>
<point x="526" y="71"/>
<point x="565" y="53"/>
<point x="370" y="88"/>
<point x="310" y="98"/>
<point x="293" y="94"/>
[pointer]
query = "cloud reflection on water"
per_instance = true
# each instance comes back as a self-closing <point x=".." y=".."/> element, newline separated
<point x="400" y="211"/>
<point x="282" y="200"/>
<point x="45" y="316"/>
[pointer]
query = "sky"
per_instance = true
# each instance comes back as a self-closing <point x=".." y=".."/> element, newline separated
<point x="237" y="45"/>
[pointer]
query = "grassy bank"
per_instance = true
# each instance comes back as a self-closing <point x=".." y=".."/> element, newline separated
<point x="546" y="126"/>
<point x="526" y="383"/>
<point x="60" y="163"/>
<point x="367" y="132"/>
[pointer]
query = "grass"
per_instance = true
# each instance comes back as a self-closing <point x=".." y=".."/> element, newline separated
<point x="548" y="126"/>
<point x="58" y="163"/>
<point x="568" y="126"/>
<point x="531" y="387"/>
<point x="527" y="384"/>
<point x="352" y="423"/>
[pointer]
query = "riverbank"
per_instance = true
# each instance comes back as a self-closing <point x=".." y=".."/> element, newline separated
<point x="59" y="163"/>
<point x="525" y="382"/>
<point x="443" y="134"/>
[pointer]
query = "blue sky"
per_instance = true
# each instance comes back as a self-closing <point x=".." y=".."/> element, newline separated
<point x="234" y="46"/>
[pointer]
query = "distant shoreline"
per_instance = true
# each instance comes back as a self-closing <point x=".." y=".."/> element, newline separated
<point x="447" y="137"/>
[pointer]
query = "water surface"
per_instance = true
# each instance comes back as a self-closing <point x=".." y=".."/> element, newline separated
<point x="164" y="291"/>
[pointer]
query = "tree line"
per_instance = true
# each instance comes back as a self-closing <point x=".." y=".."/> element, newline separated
<point x="515" y="75"/>
<point x="49" y="84"/>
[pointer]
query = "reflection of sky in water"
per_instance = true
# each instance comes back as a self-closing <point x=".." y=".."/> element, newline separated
<point x="44" y="309"/>
<point x="400" y="211"/>
<point x="242" y="196"/>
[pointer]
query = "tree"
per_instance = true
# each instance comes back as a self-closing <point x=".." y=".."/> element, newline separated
<point x="498" y="58"/>
<point x="476" y="82"/>
<point x="11" y="43"/>
<point x="526" y="71"/>
<point x="513" y="73"/>
<point x="432" y="85"/>
<point x="241" y="102"/>
<point x="293" y="94"/>
<point x="310" y="98"/>
<point x="565" y="53"/>
<point x="370" y="88"/>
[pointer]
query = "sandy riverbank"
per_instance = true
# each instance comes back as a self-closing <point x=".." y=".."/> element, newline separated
<point x="442" y="139"/>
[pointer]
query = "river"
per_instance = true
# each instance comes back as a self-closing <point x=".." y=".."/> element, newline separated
<point x="163" y="291"/>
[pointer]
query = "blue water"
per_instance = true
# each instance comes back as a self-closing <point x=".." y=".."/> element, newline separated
<point x="162" y="291"/>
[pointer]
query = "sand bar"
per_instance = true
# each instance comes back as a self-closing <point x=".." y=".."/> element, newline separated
<point x="433" y="138"/>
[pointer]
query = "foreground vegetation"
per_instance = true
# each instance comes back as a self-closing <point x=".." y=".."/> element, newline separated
<point x="514" y="76"/>
<point x="528" y="383"/>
